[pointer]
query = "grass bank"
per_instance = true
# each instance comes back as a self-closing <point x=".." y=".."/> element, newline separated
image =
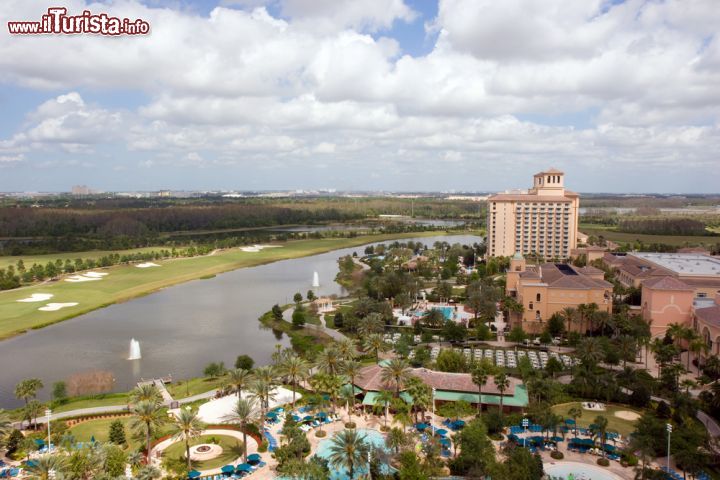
<point x="125" y="282"/>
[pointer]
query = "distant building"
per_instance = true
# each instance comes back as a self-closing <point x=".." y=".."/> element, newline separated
<point x="591" y="253"/>
<point x="546" y="289"/>
<point x="698" y="271"/>
<point x="164" y="193"/>
<point x="542" y="220"/>
<point x="81" y="190"/>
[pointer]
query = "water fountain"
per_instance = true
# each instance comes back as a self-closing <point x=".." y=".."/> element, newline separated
<point x="134" y="350"/>
<point x="316" y="280"/>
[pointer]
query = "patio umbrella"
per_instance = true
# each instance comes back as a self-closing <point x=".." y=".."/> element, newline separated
<point x="230" y="469"/>
<point x="254" y="457"/>
<point x="296" y="417"/>
<point x="441" y="431"/>
<point x="570" y="421"/>
<point x="556" y="439"/>
<point x="308" y="418"/>
<point x="194" y="474"/>
<point x="459" y="423"/>
<point x="271" y="415"/>
<point x="321" y="415"/>
<point x="243" y="467"/>
<point x="444" y="441"/>
<point x="421" y="426"/>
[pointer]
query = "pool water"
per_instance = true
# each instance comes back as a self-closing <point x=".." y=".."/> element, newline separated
<point x="577" y="471"/>
<point x="447" y="311"/>
<point x="372" y="437"/>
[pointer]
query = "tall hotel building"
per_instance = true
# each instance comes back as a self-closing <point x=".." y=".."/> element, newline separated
<point x="542" y="220"/>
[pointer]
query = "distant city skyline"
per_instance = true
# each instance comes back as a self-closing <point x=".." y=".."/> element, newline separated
<point x="399" y="95"/>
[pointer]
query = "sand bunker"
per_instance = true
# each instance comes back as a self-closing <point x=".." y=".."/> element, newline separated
<point x="53" y="307"/>
<point x="147" y="265"/>
<point x="94" y="274"/>
<point x="627" y="415"/>
<point x="86" y="277"/>
<point x="37" y="297"/>
<point x="81" y="278"/>
<point x="257" y="248"/>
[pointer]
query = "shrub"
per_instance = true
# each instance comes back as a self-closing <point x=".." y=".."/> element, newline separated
<point x="557" y="455"/>
<point x="117" y="433"/>
<point x="245" y="361"/>
<point x="603" y="462"/>
<point x="263" y="447"/>
<point x="320" y="433"/>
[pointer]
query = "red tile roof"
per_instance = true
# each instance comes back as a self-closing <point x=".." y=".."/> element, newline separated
<point x="709" y="315"/>
<point x="667" y="283"/>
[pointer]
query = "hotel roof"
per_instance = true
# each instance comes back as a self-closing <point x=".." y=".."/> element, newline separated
<point x="667" y="283"/>
<point x="563" y="276"/>
<point x="683" y="264"/>
<point x="709" y="315"/>
<point x="370" y="379"/>
<point x="533" y="197"/>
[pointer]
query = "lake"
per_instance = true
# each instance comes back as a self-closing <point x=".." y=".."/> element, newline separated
<point x="180" y="329"/>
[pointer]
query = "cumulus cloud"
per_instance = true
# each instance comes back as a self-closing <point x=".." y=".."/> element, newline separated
<point x="321" y="78"/>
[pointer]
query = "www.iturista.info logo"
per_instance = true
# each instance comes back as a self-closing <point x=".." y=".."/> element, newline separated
<point x="57" y="21"/>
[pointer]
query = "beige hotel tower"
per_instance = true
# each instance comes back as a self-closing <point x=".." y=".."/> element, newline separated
<point x="542" y="220"/>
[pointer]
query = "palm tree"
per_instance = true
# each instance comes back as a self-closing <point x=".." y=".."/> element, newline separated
<point x="187" y="426"/>
<point x="687" y="384"/>
<point x="420" y="393"/>
<point x="148" y="415"/>
<point x="396" y="439"/>
<point x="575" y="413"/>
<point x="502" y="383"/>
<point x="330" y="384"/>
<point x="384" y="398"/>
<point x="46" y="467"/>
<point x="329" y="360"/>
<point x="396" y="371"/>
<point x="480" y="376"/>
<point x="294" y="368"/>
<point x="261" y="391"/>
<point x="146" y="392"/>
<point x="570" y="315"/>
<point x="351" y="369"/>
<point x="33" y="410"/>
<point x="27" y="389"/>
<point x="149" y="472"/>
<point x="599" y="429"/>
<point x="348" y="449"/>
<point x="590" y="351"/>
<point x="697" y="346"/>
<point x="238" y="379"/>
<point x="243" y="414"/>
<point x="347" y="349"/>
<point x="375" y="343"/>
<point x="627" y="348"/>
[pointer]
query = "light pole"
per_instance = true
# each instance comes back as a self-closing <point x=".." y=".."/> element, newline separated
<point x="669" y="432"/>
<point x="525" y="423"/>
<point x="432" y="425"/>
<point x="48" y="414"/>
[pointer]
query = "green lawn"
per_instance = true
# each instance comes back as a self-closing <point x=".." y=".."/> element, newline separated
<point x="109" y="399"/>
<point x="624" y="427"/>
<point x="127" y="281"/>
<point x="6" y="261"/>
<point x="194" y="386"/>
<point x="622" y="237"/>
<point x="84" y="432"/>
<point x="232" y="450"/>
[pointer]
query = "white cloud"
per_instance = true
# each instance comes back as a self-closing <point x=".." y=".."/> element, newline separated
<point x="240" y="86"/>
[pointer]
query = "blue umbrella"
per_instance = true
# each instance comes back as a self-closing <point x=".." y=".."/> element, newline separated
<point x="421" y="426"/>
<point x="441" y="431"/>
<point x="570" y="421"/>
<point x="194" y="474"/>
<point x="308" y="418"/>
<point x="296" y="417"/>
<point x="254" y="458"/>
<point x="228" y="469"/>
<point x="321" y="415"/>
<point x="444" y="441"/>
<point x="459" y="423"/>
<point x="243" y="467"/>
<point x="271" y="415"/>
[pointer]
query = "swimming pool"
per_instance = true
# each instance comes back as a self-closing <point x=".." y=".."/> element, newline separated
<point x="372" y="437"/>
<point x="446" y="311"/>
<point x="577" y="471"/>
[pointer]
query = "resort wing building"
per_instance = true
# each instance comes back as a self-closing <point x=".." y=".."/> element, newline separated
<point x="546" y="289"/>
<point x="542" y="220"/>
<point x="447" y="387"/>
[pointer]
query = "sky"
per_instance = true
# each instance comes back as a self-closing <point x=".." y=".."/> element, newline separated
<point x="398" y="95"/>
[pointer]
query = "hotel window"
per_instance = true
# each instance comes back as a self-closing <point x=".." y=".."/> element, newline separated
<point x="530" y="306"/>
<point x="537" y="297"/>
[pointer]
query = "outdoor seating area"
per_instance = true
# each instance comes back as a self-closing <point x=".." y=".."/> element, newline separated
<point x="427" y="430"/>
<point x="671" y="474"/>
<point x="254" y="462"/>
<point x="8" y="472"/>
<point x="510" y="358"/>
